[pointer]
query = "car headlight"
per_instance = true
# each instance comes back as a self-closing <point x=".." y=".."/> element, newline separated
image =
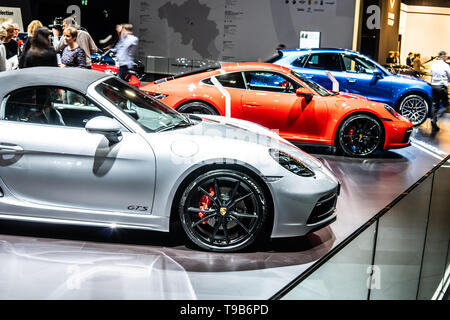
<point x="290" y="163"/>
<point x="392" y="111"/>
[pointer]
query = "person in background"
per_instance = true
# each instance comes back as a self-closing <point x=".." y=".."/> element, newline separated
<point x="27" y="45"/>
<point x="84" y="40"/>
<point x="125" y="51"/>
<point x="16" y="32"/>
<point x="397" y="57"/>
<point x="11" y="46"/>
<point x="73" y="55"/>
<point x="111" y="40"/>
<point x="440" y="76"/>
<point x="390" y="58"/>
<point x="2" y="50"/>
<point x="41" y="52"/>
<point x="57" y="34"/>
<point x="409" y="59"/>
<point x="417" y="64"/>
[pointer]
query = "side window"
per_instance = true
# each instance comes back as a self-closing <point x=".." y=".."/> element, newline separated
<point x="355" y="64"/>
<point x="269" y="81"/>
<point x="324" y="61"/>
<point x="49" y="105"/>
<point x="232" y="80"/>
<point x="300" y="62"/>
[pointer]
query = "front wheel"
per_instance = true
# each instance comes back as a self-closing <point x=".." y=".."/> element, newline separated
<point x="197" y="107"/>
<point x="360" y="135"/>
<point x="414" y="108"/>
<point x="224" y="211"/>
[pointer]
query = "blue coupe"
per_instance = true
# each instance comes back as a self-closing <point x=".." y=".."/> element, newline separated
<point x="359" y="74"/>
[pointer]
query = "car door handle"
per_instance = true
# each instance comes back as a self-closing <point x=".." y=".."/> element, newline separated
<point x="251" y="105"/>
<point x="351" y="80"/>
<point x="6" y="149"/>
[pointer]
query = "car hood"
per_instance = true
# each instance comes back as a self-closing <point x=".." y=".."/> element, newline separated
<point x="405" y="79"/>
<point x="222" y="137"/>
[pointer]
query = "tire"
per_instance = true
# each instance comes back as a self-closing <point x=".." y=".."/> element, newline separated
<point x="415" y="108"/>
<point x="236" y="216"/>
<point x="197" y="107"/>
<point x="360" y="135"/>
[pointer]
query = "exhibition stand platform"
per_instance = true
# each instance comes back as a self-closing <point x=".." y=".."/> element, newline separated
<point x="381" y="246"/>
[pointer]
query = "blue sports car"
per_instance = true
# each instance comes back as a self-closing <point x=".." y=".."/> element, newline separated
<point x="359" y="74"/>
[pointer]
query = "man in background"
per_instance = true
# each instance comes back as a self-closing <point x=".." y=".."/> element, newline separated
<point x="440" y="75"/>
<point x="84" y="40"/>
<point x="125" y="51"/>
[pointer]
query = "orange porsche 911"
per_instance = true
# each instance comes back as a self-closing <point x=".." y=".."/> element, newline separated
<point x="278" y="98"/>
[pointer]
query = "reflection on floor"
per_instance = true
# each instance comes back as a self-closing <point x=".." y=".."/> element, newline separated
<point x="55" y="262"/>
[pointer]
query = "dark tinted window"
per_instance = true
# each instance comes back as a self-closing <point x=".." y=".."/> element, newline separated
<point x="300" y="62"/>
<point x="270" y="81"/>
<point x="49" y="105"/>
<point x="232" y="80"/>
<point x="355" y="64"/>
<point x="324" y="61"/>
<point x="151" y="114"/>
<point x="207" y="81"/>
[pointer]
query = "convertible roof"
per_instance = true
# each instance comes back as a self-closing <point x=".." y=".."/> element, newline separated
<point x="73" y="78"/>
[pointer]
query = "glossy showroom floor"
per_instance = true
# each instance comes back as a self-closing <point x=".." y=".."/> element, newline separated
<point x="58" y="262"/>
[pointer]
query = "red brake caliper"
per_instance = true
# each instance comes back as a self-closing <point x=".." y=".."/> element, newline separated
<point x="350" y="133"/>
<point x="205" y="202"/>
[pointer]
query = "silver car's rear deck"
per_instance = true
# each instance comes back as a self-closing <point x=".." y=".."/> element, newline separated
<point x="58" y="262"/>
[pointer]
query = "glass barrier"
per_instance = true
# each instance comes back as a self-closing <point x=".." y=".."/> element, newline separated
<point x="401" y="254"/>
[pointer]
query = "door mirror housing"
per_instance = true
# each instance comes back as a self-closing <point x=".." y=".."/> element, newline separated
<point x="109" y="127"/>
<point x="304" y="93"/>
<point x="377" y="73"/>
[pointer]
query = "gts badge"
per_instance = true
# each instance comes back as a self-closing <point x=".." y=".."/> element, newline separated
<point x="138" y="208"/>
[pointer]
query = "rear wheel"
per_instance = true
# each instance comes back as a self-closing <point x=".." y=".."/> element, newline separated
<point x="224" y="211"/>
<point x="415" y="108"/>
<point x="197" y="107"/>
<point x="360" y="135"/>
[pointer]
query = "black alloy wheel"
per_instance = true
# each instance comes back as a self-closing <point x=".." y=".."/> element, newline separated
<point x="197" y="107"/>
<point x="224" y="211"/>
<point x="360" y="135"/>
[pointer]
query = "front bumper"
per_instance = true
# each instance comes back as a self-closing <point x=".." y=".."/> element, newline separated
<point x="301" y="208"/>
<point x="397" y="134"/>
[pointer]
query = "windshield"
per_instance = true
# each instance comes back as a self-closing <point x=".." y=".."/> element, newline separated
<point x="315" y="86"/>
<point x="151" y="114"/>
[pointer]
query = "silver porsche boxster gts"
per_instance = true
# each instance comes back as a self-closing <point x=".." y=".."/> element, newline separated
<point x="82" y="147"/>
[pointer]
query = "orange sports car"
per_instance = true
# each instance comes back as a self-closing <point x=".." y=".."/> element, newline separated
<point x="278" y="98"/>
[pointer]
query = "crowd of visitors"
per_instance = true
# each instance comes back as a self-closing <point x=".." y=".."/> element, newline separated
<point x="66" y="45"/>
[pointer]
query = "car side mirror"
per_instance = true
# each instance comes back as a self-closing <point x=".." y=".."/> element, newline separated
<point x="109" y="127"/>
<point x="378" y="74"/>
<point x="304" y="93"/>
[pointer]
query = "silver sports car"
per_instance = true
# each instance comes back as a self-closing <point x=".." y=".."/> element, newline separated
<point x="83" y="147"/>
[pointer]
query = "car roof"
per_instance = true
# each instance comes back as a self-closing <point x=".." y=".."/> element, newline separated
<point x="242" y="66"/>
<point x="290" y="51"/>
<point x="73" y="78"/>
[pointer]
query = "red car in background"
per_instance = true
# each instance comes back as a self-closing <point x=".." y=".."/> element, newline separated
<point x="106" y="62"/>
<point x="278" y="98"/>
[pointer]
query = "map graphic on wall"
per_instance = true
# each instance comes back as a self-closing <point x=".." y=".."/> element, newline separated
<point x="236" y="30"/>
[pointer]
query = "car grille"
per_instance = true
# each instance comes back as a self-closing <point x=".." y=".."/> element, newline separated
<point x="407" y="135"/>
<point x="324" y="208"/>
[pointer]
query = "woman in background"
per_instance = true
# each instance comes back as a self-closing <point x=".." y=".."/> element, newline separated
<point x="73" y="55"/>
<point x="41" y="52"/>
<point x="27" y="45"/>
